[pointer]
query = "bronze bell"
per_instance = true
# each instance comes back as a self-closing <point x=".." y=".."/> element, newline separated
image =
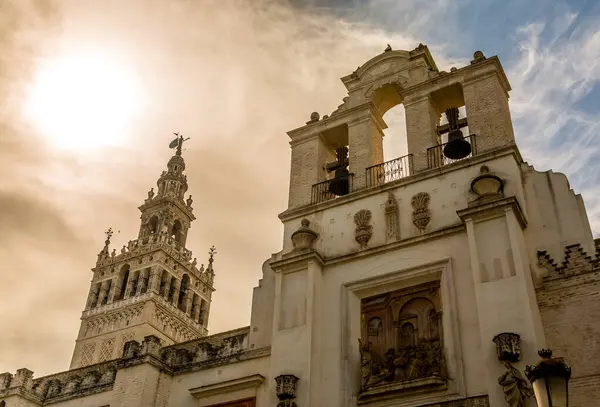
<point x="456" y="147"/>
<point x="340" y="184"/>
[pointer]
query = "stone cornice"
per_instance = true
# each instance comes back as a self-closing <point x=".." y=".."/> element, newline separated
<point x="248" y="382"/>
<point x="303" y="211"/>
<point x="310" y="130"/>
<point x="496" y="207"/>
<point x="294" y="260"/>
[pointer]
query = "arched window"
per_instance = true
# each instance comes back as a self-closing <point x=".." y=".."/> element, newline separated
<point x="153" y="225"/>
<point x="176" y="231"/>
<point x="183" y="289"/>
<point x="123" y="278"/>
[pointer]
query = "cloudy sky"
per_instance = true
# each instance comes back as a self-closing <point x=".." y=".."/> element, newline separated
<point x="91" y="92"/>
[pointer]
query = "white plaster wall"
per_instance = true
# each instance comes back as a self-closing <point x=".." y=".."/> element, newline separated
<point x="339" y="340"/>
<point x="557" y="215"/>
<point x="182" y="383"/>
<point x="261" y="318"/>
<point x="449" y="192"/>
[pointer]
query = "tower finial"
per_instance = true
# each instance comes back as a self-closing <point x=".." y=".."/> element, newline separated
<point x="211" y="258"/>
<point x="109" y="232"/>
<point x="178" y="143"/>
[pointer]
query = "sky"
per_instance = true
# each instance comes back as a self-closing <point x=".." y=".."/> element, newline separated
<point x="91" y="93"/>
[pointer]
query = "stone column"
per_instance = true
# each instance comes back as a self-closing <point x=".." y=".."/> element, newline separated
<point x="176" y="287"/>
<point x="195" y="307"/>
<point x="365" y="145"/>
<point x="154" y="282"/>
<point x="188" y="303"/>
<point x="103" y="292"/>
<point x="129" y="287"/>
<point x="113" y="289"/>
<point x="309" y="157"/>
<point x="488" y="114"/>
<point x="93" y="296"/>
<point x="421" y="128"/>
<point x="142" y="281"/>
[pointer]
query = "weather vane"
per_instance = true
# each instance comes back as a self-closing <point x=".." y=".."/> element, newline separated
<point x="212" y="253"/>
<point x="178" y="142"/>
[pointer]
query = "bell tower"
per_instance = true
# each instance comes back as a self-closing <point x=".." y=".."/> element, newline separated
<point x="153" y="286"/>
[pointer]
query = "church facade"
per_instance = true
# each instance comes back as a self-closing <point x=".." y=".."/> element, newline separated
<point x="429" y="280"/>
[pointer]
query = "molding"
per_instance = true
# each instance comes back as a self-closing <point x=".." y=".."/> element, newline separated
<point x="292" y="214"/>
<point x="296" y="261"/>
<point x="248" y="382"/>
<point x="494" y="209"/>
<point x="440" y="270"/>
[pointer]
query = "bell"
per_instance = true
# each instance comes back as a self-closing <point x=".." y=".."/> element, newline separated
<point x="340" y="184"/>
<point x="457" y="147"/>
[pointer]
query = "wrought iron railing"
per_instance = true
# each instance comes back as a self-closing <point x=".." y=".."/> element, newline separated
<point x="436" y="157"/>
<point x="321" y="193"/>
<point x="390" y="171"/>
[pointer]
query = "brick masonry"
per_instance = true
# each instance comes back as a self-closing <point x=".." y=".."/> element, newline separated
<point x="569" y="301"/>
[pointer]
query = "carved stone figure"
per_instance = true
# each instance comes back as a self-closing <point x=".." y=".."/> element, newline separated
<point x="151" y="194"/>
<point x="364" y="231"/>
<point x="402" y="329"/>
<point x="189" y="201"/>
<point x="123" y="250"/>
<point x="421" y="215"/>
<point x="515" y="386"/>
<point x="113" y="253"/>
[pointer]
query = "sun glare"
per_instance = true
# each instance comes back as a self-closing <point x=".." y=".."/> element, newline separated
<point x="82" y="102"/>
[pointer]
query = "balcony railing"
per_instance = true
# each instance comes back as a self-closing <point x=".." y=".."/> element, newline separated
<point x="390" y="171"/>
<point x="320" y="191"/>
<point x="436" y="157"/>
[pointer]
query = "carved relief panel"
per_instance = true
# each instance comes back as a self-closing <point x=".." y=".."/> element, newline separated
<point x="402" y="336"/>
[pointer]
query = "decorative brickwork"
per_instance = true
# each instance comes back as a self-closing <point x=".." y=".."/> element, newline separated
<point x="87" y="354"/>
<point x="107" y="348"/>
<point x="569" y="301"/>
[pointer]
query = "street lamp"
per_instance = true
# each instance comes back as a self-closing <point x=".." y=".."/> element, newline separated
<point x="550" y="380"/>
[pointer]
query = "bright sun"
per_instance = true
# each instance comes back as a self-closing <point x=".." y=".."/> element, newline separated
<point x="83" y="102"/>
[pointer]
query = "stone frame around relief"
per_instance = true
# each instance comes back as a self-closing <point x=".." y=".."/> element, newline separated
<point x="353" y="292"/>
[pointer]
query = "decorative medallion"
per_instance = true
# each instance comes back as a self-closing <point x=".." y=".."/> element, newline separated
<point x="364" y="231"/>
<point x="421" y="215"/>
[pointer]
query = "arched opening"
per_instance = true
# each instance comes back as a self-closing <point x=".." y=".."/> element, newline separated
<point x="106" y="293"/>
<point x="123" y="279"/>
<point x="407" y="335"/>
<point x="395" y="143"/>
<point x="135" y="283"/>
<point x="153" y="225"/>
<point x="2" y="403"/>
<point x="176" y="231"/>
<point x="183" y="290"/>
<point x="418" y="313"/>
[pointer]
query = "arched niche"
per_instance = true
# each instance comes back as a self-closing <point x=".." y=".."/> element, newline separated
<point x="417" y="313"/>
<point x="152" y="227"/>
<point x="177" y="231"/>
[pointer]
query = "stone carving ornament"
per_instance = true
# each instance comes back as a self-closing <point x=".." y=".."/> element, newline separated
<point x="286" y="385"/>
<point x="304" y="237"/>
<point x="391" y="218"/>
<point x="515" y="386"/>
<point x="364" y="231"/>
<point x="421" y="215"/>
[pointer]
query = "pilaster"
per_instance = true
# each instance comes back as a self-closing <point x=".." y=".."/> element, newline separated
<point x="421" y="128"/>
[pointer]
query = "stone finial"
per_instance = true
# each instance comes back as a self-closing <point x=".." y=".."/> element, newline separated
<point x="478" y="57"/>
<point x="314" y="117"/>
<point x="5" y="380"/>
<point x="151" y="345"/>
<point x="487" y="186"/>
<point x="421" y="215"/>
<point x="131" y="349"/>
<point x="388" y="48"/>
<point x="304" y="238"/>
<point x="363" y="231"/>
<point x="508" y="346"/>
<point x="23" y="378"/>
